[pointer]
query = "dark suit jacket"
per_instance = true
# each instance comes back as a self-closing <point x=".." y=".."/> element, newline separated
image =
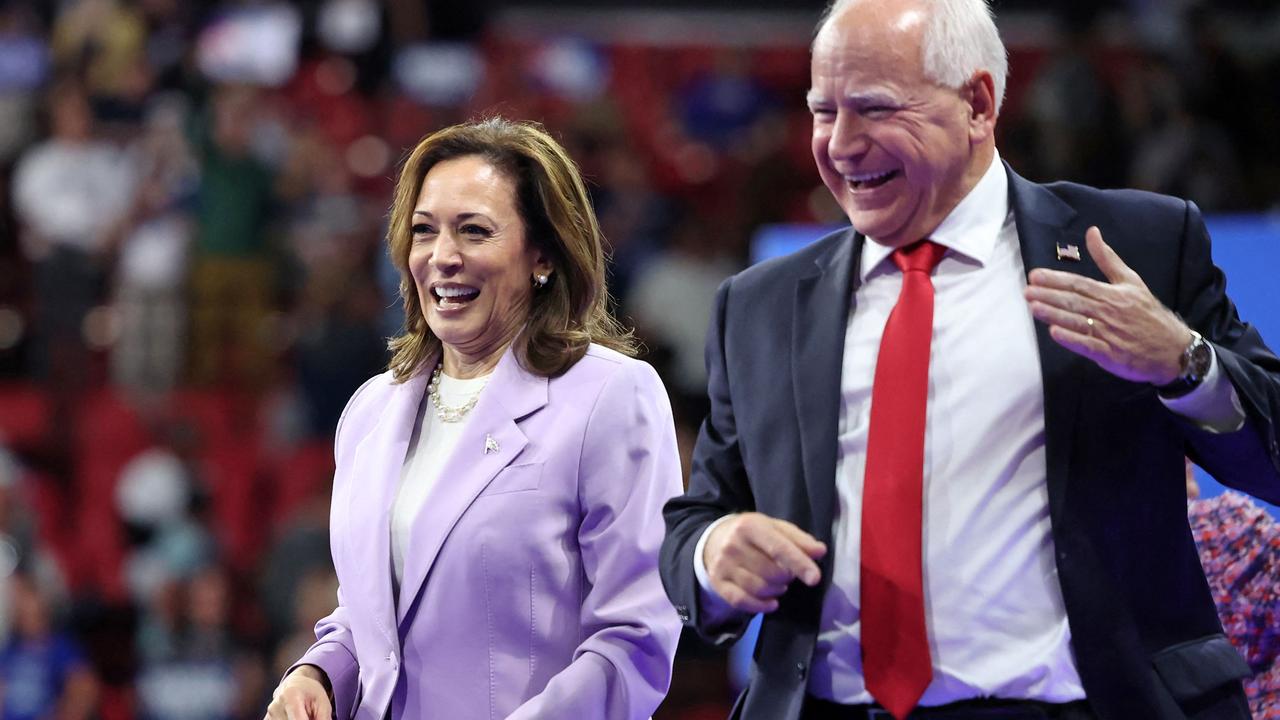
<point x="1146" y="638"/>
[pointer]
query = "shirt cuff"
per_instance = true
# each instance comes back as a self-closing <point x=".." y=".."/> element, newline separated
<point x="714" y="609"/>
<point x="1213" y="405"/>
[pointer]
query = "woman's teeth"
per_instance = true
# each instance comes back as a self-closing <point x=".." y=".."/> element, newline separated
<point x="454" y="296"/>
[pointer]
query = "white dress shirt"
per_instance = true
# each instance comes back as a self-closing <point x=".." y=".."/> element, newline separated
<point x="993" y="604"/>
<point x="432" y="442"/>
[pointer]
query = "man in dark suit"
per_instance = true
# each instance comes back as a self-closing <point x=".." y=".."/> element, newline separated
<point x="945" y="449"/>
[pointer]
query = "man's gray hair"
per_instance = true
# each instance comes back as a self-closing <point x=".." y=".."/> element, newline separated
<point x="959" y="40"/>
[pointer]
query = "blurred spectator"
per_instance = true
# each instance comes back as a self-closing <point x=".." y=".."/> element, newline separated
<point x="1073" y="109"/>
<point x="43" y="673"/>
<point x="104" y="43"/>
<point x="778" y="181"/>
<point x="103" y="37"/>
<point x="202" y="674"/>
<point x="1178" y="152"/>
<point x="22" y="548"/>
<point x="340" y="342"/>
<point x="312" y="599"/>
<point x="17" y="521"/>
<point x="632" y="215"/>
<point x="718" y="106"/>
<point x="232" y="279"/>
<point x="158" y="498"/>
<point x="152" y="267"/>
<point x="301" y="551"/>
<point x="672" y="297"/>
<point x="169" y="34"/>
<point x="24" y="67"/>
<point x="71" y="194"/>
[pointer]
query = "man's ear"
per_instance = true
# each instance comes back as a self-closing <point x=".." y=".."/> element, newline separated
<point x="980" y="95"/>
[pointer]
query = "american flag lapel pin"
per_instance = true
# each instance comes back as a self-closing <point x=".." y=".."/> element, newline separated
<point x="490" y="445"/>
<point x="1069" y="252"/>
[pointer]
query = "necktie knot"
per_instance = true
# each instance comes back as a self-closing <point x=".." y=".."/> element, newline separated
<point x="922" y="256"/>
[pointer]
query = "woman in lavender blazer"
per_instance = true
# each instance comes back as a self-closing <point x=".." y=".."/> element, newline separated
<point x="497" y="503"/>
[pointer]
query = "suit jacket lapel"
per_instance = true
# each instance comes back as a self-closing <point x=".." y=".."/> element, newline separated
<point x="377" y="463"/>
<point x="824" y="299"/>
<point x="1044" y="224"/>
<point x="511" y="394"/>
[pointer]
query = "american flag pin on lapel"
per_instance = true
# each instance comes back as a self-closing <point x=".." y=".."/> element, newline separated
<point x="1069" y="252"/>
<point x="490" y="445"/>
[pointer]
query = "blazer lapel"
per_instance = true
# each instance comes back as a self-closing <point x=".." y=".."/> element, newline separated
<point x="377" y="463"/>
<point x="1045" y="223"/>
<point x="824" y="299"/>
<point x="489" y="442"/>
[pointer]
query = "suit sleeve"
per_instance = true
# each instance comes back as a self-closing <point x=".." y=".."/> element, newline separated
<point x="334" y="650"/>
<point x="1248" y="459"/>
<point x="717" y="487"/>
<point x="628" y="468"/>
<point x="334" y="653"/>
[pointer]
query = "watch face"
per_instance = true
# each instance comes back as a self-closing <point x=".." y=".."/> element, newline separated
<point x="1201" y="356"/>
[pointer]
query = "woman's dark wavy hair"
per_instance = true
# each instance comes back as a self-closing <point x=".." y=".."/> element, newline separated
<point x="571" y="311"/>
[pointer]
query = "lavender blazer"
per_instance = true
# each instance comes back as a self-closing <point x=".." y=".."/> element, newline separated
<point x="531" y="586"/>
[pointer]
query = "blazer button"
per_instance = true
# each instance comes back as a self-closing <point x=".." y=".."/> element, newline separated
<point x="801" y="671"/>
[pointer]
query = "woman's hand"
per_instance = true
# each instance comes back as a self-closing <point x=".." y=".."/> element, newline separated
<point x="302" y="695"/>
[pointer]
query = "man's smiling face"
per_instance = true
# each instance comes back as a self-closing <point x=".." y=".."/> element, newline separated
<point x="895" y="149"/>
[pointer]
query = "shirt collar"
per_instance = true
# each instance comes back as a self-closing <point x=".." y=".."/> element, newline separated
<point x="972" y="227"/>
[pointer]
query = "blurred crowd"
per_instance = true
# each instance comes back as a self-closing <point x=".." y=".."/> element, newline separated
<point x="193" y="278"/>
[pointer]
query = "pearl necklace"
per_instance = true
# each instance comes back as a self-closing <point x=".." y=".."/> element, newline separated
<point x="444" y="412"/>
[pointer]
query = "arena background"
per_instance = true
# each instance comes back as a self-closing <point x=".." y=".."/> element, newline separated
<point x="192" y="277"/>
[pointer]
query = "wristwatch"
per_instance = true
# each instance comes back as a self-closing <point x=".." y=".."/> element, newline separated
<point x="1195" y="362"/>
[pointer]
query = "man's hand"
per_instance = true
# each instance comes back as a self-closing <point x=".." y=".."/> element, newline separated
<point x="302" y="695"/>
<point x="751" y="559"/>
<point x="1119" y="325"/>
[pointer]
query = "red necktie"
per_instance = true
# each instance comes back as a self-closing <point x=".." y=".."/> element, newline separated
<point x="895" y="649"/>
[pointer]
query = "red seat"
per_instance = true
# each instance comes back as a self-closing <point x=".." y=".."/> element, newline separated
<point x="25" y="415"/>
<point x="231" y="475"/>
<point x="303" y="474"/>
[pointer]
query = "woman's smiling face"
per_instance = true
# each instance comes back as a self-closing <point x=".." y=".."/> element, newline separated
<point x="471" y="260"/>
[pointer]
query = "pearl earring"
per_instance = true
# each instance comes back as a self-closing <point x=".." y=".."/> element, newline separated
<point x="541" y="279"/>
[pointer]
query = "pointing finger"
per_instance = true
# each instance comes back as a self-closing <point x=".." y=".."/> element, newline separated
<point x="810" y="545"/>
<point x="789" y="556"/>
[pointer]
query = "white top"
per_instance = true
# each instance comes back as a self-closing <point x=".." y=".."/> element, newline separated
<point x="993" y="604"/>
<point x="432" y="442"/>
<point x="70" y="194"/>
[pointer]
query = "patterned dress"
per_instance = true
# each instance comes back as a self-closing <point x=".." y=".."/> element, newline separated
<point x="1240" y="550"/>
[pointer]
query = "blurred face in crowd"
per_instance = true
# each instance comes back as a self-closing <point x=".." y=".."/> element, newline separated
<point x="71" y="115"/>
<point x="471" y="260"/>
<point x="233" y="118"/>
<point x="30" y="617"/>
<point x="896" y="150"/>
